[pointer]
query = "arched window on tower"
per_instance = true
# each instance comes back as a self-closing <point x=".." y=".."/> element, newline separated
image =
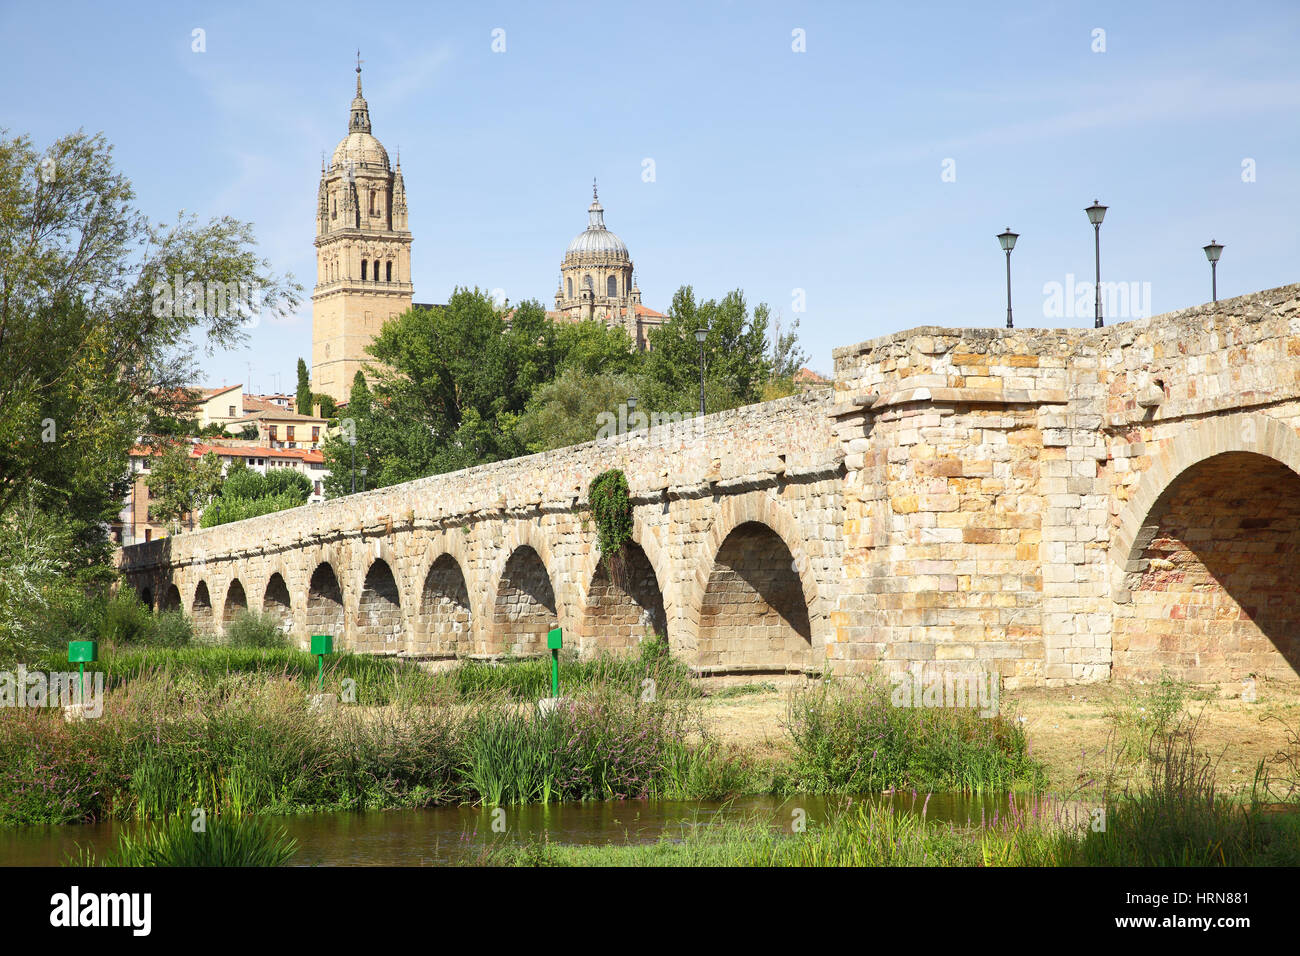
<point x="587" y="282"/>
<point x="376" y="270"/>
<point x="334" y="209"/>
<point x="388" y="271"/>
<point x="570" y="286"/>
<point x="363" y="270"/>
<point x="611" y="287"/>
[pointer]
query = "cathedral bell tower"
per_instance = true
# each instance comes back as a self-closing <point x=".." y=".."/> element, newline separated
<point x="363" y="253"/>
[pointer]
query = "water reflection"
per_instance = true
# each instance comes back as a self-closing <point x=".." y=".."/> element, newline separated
<point x="459" y="835"/>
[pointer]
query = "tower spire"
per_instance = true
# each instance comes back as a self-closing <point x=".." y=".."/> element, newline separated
<point x="359" y="61"/>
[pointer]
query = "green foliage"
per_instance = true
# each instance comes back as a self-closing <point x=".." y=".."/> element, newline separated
<point x="37" y="579"/>
<point x="466" y="383"/>
<point x="180" y="485"/>
<point x="735" y="354"/>
<point x="573" y="409"/>
<point x="611" y="508"/>
<point x="92" y="354"/>
<point x="247" y="493"/>
<point x="850" y="738"/>
<point x="1142" y="722"/>
<point x="250" y="629"/>
<point x="303" y="397"/>
<point x="221" y="842"/>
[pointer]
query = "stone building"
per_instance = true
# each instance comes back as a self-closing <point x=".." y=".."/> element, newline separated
<point x="597" y="281"/>
<point x="363" y="253"/>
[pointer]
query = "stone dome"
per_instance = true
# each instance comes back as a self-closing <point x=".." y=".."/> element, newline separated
<point x="360" y="148"/>
<point x="596" y="239"/>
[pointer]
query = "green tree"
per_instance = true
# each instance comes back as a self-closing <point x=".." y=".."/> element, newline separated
<point x="735" y="354"/>
<point x="304" y="390"/>
<point x="576" y="407"/>
<point x="328" y="409"/>
<point x="95" y="344"/>
<point x="179" y="484"/>
<point x="787" y="357"/>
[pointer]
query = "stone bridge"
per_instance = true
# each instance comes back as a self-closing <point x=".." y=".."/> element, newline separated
<point x="1058" y="505"/>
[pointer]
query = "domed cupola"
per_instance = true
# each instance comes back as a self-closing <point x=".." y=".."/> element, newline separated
<point x="596" y="240"/>
<point x="359" y="147"/>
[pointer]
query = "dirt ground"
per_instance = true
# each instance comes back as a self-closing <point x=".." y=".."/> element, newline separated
<point x="1067" y="727"/>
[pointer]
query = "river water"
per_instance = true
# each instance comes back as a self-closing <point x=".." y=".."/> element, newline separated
<point x="461" y="834"/>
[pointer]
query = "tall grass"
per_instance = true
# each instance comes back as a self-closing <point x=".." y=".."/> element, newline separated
<point x="221" y="842"/>
<point x="850" y="738"/>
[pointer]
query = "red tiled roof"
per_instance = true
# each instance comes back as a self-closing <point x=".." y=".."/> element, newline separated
<point x="210" y="392"/>
<point x="651" y="313"/>
<point x="309" y="455"/>
<point x="808" y="375"/>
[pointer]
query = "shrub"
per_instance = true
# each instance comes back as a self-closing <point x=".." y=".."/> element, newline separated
<point x="47" y="774"/>
<point x="850" y="738"/>
<point x="171" y="629"/>
<point x="124" y="619"/>
<point x="250" y="629"/>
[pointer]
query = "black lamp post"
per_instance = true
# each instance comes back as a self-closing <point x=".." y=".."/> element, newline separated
<point x="1008" y="241"/>
<point x="1096" y="212"/>
<point x="1212" y="252"/>
<point x="352" y="440"/>
<point x="700" y="336"/>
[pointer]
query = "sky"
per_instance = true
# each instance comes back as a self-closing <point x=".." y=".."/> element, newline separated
<point x="849" y="164"/>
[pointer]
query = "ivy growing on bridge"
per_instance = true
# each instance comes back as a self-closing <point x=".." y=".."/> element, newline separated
<point x="607" y="496"/>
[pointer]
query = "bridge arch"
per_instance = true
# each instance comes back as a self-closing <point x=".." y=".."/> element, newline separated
<point x="1204" y="553"/>
<point x="523" y="601"/>
<point x="236" y="601"/>
<point x="755" y="602"/>
<point x="638" y="601"/>
<point x="277" y="598"/>
<point x="201" y="608"/>
<point x="324" y="612"/>
<point x="379" y="624"/>
<point x="442" y="615"/>
<point x="171" y="598"/>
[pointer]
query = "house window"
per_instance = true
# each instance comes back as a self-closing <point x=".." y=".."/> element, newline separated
<point x="231" y="412"/>
<point x="288" y="432"/>
<point x="148" y="534"/>
<point x="315" y="433"/>
<point x="273" y="428"/>
<point x="316" y="488"/>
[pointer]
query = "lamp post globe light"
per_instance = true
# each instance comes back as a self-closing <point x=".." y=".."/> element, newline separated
<point x="700" y="336"/>
<point x="1096" y="213"/>
<point x="1007" y="240"/>
<point x="1212" y="252"/>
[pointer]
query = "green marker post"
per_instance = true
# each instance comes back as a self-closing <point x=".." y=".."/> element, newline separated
<point x="79" y="652"/>
<point x="321" y="644"/>
<point x="554" y="640"/>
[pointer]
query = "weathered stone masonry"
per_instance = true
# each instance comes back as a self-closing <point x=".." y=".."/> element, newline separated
<point x="1058" y="505"/>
